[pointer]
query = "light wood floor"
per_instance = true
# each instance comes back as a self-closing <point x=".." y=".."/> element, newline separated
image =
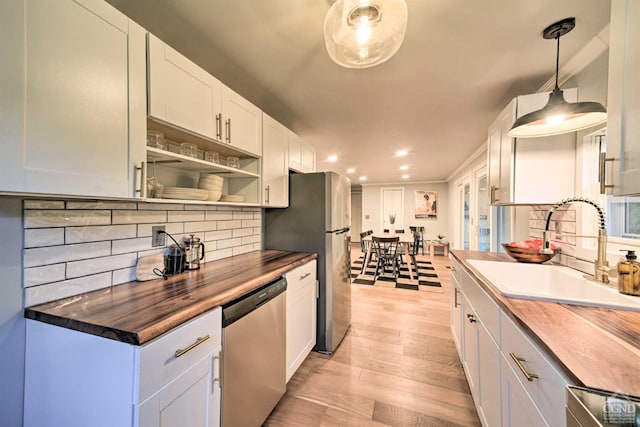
<point x="397" y="366"/>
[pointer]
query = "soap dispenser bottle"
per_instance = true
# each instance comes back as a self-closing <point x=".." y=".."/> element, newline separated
<point x="629" y="275"/>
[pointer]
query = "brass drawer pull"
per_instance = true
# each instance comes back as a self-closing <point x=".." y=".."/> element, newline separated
<point x="528" y="375"/>
<point x="455" y="297"/>
<point x="200" y="340"/>
<point x="472" y="318"/>
<point x="305" y="276"/>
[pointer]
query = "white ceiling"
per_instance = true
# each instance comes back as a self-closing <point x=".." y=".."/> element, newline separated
<point x="460" y="63"/>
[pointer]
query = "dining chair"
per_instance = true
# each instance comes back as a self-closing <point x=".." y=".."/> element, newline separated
<point x="385" y="230"/>
<point x="363" y="243"/>
<point x="400" y="231"/>
<point x="417" y="243"/>
<point x="420" y="231"/>
<point x="387" y="250"/>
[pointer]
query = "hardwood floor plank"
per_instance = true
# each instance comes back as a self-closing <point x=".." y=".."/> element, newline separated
<point x="397" y="365"/>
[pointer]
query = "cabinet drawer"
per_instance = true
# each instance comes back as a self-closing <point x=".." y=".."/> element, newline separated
<point x="300" y="276"/>
<point x="158" y="362"/>
<point x="484" y="306"/>
<point x="456" y="270"/>
<point x="548" y="389"/>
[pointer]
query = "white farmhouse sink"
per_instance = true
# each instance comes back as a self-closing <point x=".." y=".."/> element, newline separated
<point x="551" y="283"/>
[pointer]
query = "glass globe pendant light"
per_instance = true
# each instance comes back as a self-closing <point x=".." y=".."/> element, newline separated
<point x="559" y="116"/>
<point x="364" y="33"/>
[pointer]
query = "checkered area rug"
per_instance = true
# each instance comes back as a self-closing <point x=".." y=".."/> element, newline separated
<point x="426" y="276"/>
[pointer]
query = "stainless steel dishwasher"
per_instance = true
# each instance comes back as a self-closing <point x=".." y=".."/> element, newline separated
<point x="253" y="355"/>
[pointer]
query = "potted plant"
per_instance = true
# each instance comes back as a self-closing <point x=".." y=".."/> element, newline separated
<point x="441" y="237"/>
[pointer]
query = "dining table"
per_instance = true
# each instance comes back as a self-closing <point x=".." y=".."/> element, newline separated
<point x="405" y="239"/>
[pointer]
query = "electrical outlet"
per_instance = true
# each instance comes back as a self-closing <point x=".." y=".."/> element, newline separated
<point x="157" y="238"/>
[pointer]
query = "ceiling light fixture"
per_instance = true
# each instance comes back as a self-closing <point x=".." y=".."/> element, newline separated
<point x="332" y="158"/>
<point x="404" y="167"/>
<point x="363" y="178"/>
<point x="405" y="176"/>
<point x="364" y="33"/>
<point x="401" y="153"/>
<point x="351" y="170"/>
<point x="558" y="116"/>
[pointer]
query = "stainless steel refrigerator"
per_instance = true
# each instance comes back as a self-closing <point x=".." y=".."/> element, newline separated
<point x="318" y="219"/>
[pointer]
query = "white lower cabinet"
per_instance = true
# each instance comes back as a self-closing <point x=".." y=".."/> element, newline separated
<point x="301" y="315"/>
<point x="77" y="379"/>
<point x="512" y="380"/>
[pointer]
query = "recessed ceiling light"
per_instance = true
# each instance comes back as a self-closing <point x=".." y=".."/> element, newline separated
<point x="332" y="158"/>
<point x="404" y="167"/>
<point x="401" y="153"/>
<point x="363" y="178"/>
<point x="351" y="170"/>
<point x="405" y="176"/>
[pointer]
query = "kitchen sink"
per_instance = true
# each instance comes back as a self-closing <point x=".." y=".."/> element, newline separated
<point x="551" y="283"/>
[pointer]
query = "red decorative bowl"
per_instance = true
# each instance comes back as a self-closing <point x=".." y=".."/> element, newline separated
<point x="527" y="255"/>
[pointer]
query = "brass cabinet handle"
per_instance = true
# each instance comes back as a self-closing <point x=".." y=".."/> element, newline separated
<point x="305" y="276"/>
<point x="602" y="172"/>
<point x="217" y="378"/>
<point x="267" y="191"/>
<point x="219" y="126"/>
<point x="528" y="375"/>
<point x="227" y="125"/>
<point x="472" y="318"/>
<point x="143" y="180"/>
<point x="455" y="297"/>
<point x="493" y="194"/>
<point x="453" y="268"/>
<point x="200" y="340"/>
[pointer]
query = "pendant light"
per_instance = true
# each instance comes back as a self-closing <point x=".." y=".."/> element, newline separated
<point x="559" y="116"/>
<point x="364" y="33"/>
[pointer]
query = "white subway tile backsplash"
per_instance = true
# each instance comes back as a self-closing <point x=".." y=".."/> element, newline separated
<point x="199" y="226"/>
<point x="183" y="216"/>
<point x="38" y="275"/>
<point x="37" y="237"/>
<point x="99" y="232"/>
<point x="228" y="243"/>
<point x="145" y="216"/>
<point x="226" y="225"/>
<point x="218" y="215"/>
<point x="75" y="246"/>
<point x="99" y="265"/>
<point x="130" y="245"/>
<point x="43" y="204"/>
<point x="65" y="218"/>
<point x="55" y="254"/>
<point x="217" y="235"/>
<point x="103" y="204"/>
<point x="53" y="291"/>
<point x="250" y="223"/>
<point x="124" y="275"/>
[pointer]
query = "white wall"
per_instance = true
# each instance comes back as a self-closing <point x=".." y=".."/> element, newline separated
<point x="371" y="207"/>
<point x="12" y="324"/>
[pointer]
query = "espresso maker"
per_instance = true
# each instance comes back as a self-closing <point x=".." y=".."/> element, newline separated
<point x="193" y="252"/>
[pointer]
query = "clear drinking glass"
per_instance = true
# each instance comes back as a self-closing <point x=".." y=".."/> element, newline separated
<point x="156" y="140"/>
<point x="233" y="162"/>
<point x="212" y="156"/>
<point x="188" y="149"/>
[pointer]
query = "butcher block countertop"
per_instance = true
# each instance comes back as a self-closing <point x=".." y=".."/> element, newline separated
<point x="137" y="312"/>
<point x="596" y="347"/>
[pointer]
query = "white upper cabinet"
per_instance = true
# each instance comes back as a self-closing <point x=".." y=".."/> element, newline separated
<point x="275" y="161"/>
<point x="73" y="85"/>
<point x="530" y="170"/>
<point x="181" y="93"/>
<point x="623" y="105"/>
<point x="242" y="122"/>
<point x="302" y="156"/>
<point x="184" y="95"/>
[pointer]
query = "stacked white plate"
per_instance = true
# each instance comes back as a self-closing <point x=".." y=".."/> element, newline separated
<point x="212" y="184"/>
<point x="184" y="193"/>
<point x="232" y="198"/>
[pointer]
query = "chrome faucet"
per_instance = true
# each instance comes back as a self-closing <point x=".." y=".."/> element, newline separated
<point x="601" y="270"/>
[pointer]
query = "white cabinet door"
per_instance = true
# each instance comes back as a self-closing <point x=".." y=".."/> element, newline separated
<point x="301" y="315"/>
<point x="457" y="312"/>
<point x="275" y="163"/>
<point x="623" y="125"/>
<point x="83" y="106"/>
<point x="192" y="399"/>
<point x="295" y="152"/>
<point x="489" y="378"/>
<point x="242" y="122"/>
<point x="308" y="158"/>
<point x="500" y="153"/>
<point x="470" y="345"/>
<point x="517" y="407"/>
<point x="182" y="93"/>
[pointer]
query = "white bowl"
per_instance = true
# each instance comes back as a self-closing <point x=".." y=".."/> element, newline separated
<point x="209" y="177"/>
<point x="210" y="187"/>
<point x="215" y="195"/>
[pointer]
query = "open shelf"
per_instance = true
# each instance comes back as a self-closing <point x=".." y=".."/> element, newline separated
<point x="179" y="161"/>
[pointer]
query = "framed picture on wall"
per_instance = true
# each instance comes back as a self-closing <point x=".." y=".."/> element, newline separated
<point x="426" y="204"/>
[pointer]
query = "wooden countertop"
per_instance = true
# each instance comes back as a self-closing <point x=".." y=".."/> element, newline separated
<point x="137" y="312"/>
<point x="596" y="347"/>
